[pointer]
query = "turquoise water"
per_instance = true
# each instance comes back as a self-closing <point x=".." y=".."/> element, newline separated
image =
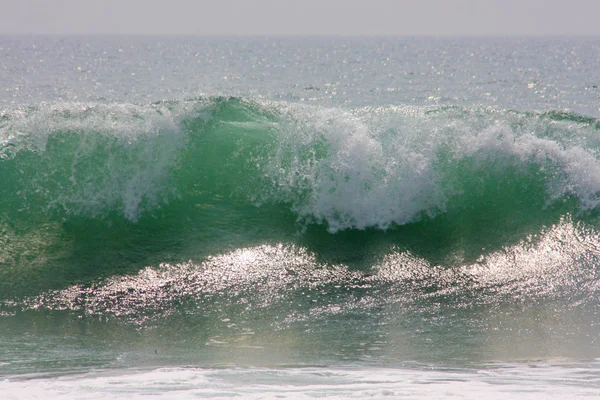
<point x="188" y="217"/>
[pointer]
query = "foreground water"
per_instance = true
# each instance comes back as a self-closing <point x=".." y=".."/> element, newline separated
<point x="299" y="218"/>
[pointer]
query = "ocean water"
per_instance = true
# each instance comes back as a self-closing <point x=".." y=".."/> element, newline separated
<point x="186" y="217"/>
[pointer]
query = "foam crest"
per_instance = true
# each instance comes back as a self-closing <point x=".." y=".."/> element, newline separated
<point x="344" y="170"/>
<point x="94" y="158"/>
<point x="575" y="169"/>
<point x="376" y="167"/>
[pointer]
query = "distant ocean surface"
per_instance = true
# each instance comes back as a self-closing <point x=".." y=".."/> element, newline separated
<point x="186" y="217"/>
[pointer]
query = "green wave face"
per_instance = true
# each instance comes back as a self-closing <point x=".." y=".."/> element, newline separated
<point x="91" y="191"/>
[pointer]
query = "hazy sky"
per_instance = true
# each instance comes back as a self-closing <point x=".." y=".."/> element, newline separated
<point x="306" y="17"/>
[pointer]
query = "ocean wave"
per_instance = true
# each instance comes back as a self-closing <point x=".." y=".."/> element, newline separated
<point x="359" y="168"/>
<point x="558" y="263"/>
<point x="97" y="189"/>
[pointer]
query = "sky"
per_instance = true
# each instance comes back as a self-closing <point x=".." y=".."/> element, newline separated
<point x="307" y="17"/>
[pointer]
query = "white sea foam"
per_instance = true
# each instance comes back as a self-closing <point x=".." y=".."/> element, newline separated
<point x="97" y="157"/>
<point x="374" y="167"/>
<point x="517" y="381"/>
